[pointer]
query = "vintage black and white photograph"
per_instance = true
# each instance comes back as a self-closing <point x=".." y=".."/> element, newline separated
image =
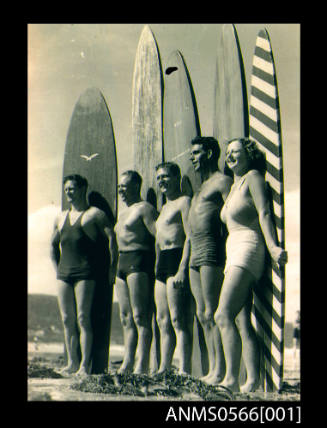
<point x="164" y="212"/>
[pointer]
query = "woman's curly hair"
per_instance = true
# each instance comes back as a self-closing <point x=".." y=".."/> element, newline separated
<point x="256" y="157"/>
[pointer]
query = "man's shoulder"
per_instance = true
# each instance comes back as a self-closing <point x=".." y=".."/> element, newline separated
<point x="221" y="180"/>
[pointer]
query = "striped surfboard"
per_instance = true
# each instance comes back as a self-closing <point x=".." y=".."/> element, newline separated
<point x="269" y="296"/>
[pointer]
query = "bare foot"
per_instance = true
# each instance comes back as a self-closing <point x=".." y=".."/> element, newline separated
<point x="125" y="368"/>
<point x="232" y="386"/>
<point x="68" y="370"/>
<point x="250" y="386"/>
<point x="83" y="371"/>
<point x="212" y="378"/>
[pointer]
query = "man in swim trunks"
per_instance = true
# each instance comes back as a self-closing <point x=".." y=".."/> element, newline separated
<point x="74" y="246"/>
<point x="135" y="230"/>
<point x="206" y="235"/>
<point x="172" y="293"/>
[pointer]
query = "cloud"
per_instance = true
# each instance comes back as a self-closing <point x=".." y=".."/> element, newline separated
<point x="41" y="274"/>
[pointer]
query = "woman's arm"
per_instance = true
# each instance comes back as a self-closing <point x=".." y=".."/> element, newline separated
<point x="257" y="188"/>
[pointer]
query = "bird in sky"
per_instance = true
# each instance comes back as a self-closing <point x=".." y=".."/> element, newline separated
<point x="89" y="158"/>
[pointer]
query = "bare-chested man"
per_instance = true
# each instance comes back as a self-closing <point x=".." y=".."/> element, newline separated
<point x="208" y="247"/>
<point x="172" y="293"/>
<point x="75" y="255"/>
<point x="135" y="230"/>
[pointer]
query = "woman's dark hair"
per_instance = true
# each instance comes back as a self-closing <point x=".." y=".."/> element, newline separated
<point x="256" y="157"/>
<point x="79" y="180"/>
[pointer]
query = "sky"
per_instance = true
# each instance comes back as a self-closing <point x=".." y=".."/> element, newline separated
<point x="66" y="59"/>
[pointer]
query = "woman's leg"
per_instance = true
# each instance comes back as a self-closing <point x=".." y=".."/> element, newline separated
<point x="250" y="349"/>
<point x="234" y="293"/>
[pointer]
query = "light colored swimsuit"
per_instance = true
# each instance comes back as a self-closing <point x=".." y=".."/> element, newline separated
<point x="245" y="246"/>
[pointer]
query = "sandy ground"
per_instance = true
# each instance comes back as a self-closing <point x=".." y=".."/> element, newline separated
<point x="59" y="389"/>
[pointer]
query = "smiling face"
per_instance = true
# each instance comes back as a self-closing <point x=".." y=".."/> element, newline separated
<point x="236" y="157"/>
<point x="167" y="182"/>
<point x="128" y="190"/>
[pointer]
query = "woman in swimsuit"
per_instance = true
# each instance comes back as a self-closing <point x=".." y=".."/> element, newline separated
<point x="247" y="215"/>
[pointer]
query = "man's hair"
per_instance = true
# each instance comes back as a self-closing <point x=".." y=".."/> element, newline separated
<point x="172" y="167"/>
<point x="134" y="177"/>
<point x="208" y="143"/>
<point x="256" y="157"/>
<point x="79" y="180"/>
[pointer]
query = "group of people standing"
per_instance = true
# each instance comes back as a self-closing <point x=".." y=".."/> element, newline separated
<point x="175" y="263"/>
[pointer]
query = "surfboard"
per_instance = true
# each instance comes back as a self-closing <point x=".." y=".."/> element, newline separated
<point x="147" y="111"/>
<point x="181" y="125"/>
<point x="231" y="115"/>
<point x="231" y="119"/>
<point x="90" y="151"/>
<point x="147" y="133"/>
<point x="181" y="120"/>
<point x="265" y="129"/>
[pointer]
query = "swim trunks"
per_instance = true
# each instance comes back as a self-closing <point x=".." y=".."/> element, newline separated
<point x="135" y="261"/>
<point x="168" y="263"/>
<point x="78" y="253"/>
<point x="207" y="250"/>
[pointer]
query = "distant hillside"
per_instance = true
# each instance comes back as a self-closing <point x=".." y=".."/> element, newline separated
<point x="44" y="320"/>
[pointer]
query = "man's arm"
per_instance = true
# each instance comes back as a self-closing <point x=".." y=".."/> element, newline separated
<point x="54" y="247"/>
<point x="108" y="231"/>
<point x="149" y="216"/>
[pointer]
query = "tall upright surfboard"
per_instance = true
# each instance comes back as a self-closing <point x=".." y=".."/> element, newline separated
<point x="181" y="120"/>
<point x="147" y="101"/>
<point x="181" y="125"/>
<point x="231" y="114"/>
<point x="90" y="151"/>
<point x="265" y="129"/>
<point x="147" y="112"/>
<point x="231" y="119"/>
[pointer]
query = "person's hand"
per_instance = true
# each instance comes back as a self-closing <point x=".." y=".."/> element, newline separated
<point x="279" y="256"/>
<point x="178" y="280"/>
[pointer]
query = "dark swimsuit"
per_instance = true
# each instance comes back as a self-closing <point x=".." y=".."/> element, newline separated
<point x="136" y="261"/>
<point x="168" y="263"/>
<point x="78" y="253"/>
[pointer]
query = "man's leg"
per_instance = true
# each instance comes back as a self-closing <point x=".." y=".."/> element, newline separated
<point x="140" y="297"/>
<point x="211" y="282"/>
<point x="167" y="334"/>
<point x="179" y="301"/>
<point x="84" y="292"/>
<point x="129" y="328"/>
<point x="66" y="300"/>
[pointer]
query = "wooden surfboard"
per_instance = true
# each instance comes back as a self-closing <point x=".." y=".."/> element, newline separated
<point x="90" y="151"/>
<point x="181" y="121"/>
<point x="265" y="129"/>
<point x="147" y="100"/>
<point x="181" y="125"/>
<point x="231" y="118"/>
